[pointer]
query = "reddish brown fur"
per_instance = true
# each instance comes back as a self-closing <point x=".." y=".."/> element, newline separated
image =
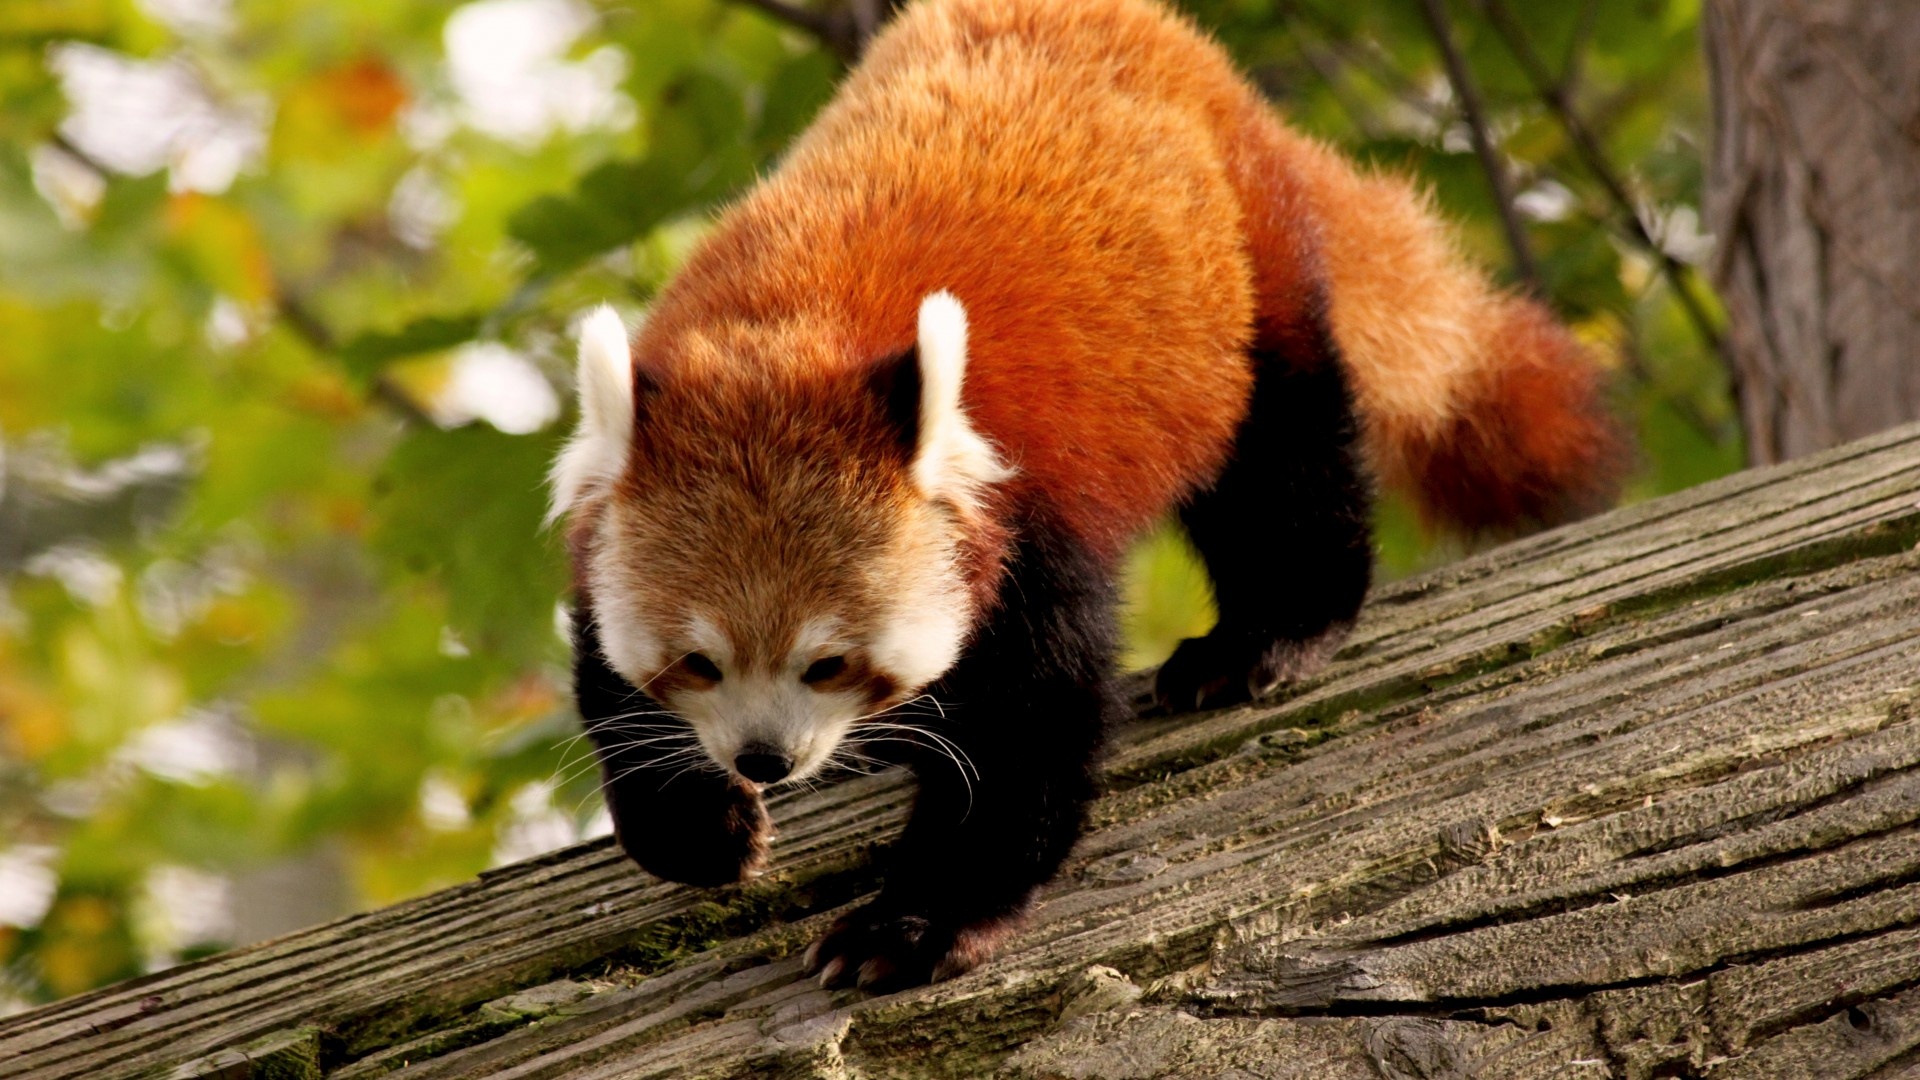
<point x="1122" y="216"/>
<point x="807" y="493"/>
<point x="1530" y="444"/>
<point x="1097" y="249"/>
<point x="1126" y="225"/>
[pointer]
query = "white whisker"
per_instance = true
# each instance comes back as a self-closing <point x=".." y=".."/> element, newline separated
<point x="926" y="738"/>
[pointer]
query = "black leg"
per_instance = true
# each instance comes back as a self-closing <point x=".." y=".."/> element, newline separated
<point x="675" y="813"/>
<point x="1027" y="707"/>
<point x="1283" y="531"/>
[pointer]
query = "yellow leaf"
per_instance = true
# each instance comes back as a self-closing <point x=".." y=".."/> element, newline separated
<point x="326" y="393"/>
<point x="222" y="244"/>
<point x="337" y="112"/>
<point x="30" y="718"/>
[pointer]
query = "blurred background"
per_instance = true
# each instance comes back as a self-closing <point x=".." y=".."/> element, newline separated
<point x="286" y="292"/>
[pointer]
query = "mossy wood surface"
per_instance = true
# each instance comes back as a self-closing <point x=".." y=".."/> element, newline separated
<point x="1635" y="798"/>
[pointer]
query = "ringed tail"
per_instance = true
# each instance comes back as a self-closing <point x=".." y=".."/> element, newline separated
<point x="1475" y="401"/>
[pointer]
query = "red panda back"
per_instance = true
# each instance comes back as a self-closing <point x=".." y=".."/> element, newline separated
<point x="1026" y="156"/>
<point x="1122" y="216"/>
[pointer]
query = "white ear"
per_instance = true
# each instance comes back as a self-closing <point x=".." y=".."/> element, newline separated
<point x="952" y="459"/>
<point x="597" y="453"/>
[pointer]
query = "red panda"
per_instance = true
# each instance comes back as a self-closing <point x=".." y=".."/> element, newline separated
<point x="1043" y="272"/>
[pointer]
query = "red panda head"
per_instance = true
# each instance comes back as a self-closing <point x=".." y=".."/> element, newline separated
<point x="773" y="537"/>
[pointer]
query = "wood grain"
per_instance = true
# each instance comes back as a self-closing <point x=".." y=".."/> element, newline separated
<point x="1635" y="798"/>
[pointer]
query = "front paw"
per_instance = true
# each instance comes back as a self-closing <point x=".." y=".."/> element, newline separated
<point x="883" y="949"/>
<point x="1231" y="667"/>
<point x="709" y="833"/>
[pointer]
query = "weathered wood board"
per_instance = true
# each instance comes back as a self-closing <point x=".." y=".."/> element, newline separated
<point x="1635" y="798"/>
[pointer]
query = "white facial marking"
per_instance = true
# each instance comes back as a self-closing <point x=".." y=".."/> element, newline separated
<point x="818" y="637"/>
<point x="921" y="637"/>
<point x="952" y="460"/>
<point x="706" y="637"/>
<point x="628" y="640"/>
<point x="776" y="710"/>
<point x="627" y="643"/>
<point x="597" y="452"/>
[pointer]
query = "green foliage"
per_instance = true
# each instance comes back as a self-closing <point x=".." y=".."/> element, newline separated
<point x="269" y="604"/>
<point x="504" y="604"/>
<point x="366" y="356"/>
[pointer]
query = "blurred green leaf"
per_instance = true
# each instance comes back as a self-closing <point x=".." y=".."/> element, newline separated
<point x="619" y="202"/>
<point x="507" y="569"/>
<point x="795" y="93"/>
<point x="366" y="355"/>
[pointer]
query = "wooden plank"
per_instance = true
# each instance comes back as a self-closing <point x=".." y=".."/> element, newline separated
<point x="1636" y="795"/>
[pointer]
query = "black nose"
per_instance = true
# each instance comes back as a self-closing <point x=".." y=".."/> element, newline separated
<point x="762" y="764"/>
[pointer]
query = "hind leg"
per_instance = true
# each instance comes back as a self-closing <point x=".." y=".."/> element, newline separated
<point x="1283" y="531"/>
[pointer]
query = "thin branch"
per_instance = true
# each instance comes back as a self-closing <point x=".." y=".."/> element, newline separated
<point x="813" y="22"/>
<point x="868" y="16"/>
<point x="304" y="323"/>
<point x="1576" y="48"/>
<point x="845" y="29"/>
<point x="308" y="327"/>
<point x="1490" y="161"/>
<point x="293" y="310"/>
<point x="1554" y="94"/>
<point x="1332" y="76"/>
<point x="73" y="150"/>
<point x="1331" y="70"/>
<point x="1359" y="55"/>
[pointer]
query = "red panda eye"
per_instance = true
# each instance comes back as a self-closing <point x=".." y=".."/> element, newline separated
<point x="822" y="670"/>
<point x="700" y="665"/>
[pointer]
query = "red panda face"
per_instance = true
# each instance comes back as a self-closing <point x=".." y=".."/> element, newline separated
<point x="766" y="559"/>
<point x="773" y="609"/>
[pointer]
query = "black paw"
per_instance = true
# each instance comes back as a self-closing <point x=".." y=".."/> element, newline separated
<point x="1232" y="667"/>
<point x="882" y="950"/>
<point x="701" y="832"/>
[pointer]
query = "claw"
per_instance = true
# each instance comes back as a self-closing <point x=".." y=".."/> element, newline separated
<point x="875" y="970"/>
<point x="831" y="973"/>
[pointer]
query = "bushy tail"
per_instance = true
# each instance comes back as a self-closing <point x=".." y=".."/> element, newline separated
<point x="1478" y="403"/>
<point x="1528" y="440"/>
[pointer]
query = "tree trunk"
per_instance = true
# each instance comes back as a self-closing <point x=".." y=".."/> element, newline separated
<point x="1813" y="190"/>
